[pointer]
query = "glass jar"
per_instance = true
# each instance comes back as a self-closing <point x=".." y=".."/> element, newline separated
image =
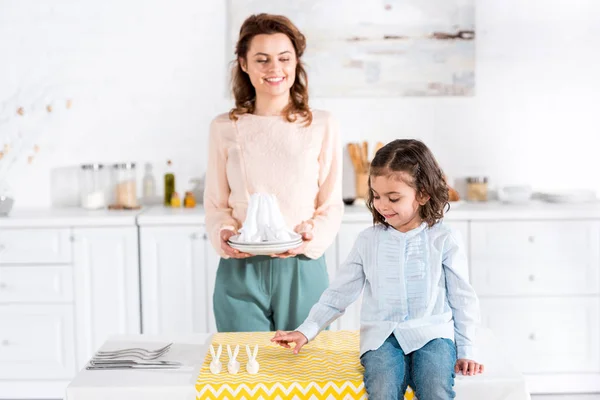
<point x="477" y="188"/>
<point x="124" y="178"/>
<point x="93" y="183"/>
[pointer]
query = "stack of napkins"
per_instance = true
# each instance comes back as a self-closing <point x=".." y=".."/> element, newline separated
<point x="264" y="230"/>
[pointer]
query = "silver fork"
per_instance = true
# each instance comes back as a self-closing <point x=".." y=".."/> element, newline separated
<point x="135" y="355"/>
<point x="136" y="350"/>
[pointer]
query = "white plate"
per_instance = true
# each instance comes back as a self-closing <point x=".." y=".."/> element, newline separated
<point x="234" y="239"/>
<point x="265" y="250"/>
<point x="569" y="196"/>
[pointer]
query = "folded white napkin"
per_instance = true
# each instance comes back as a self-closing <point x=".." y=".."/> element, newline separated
<point x="264" y="221"/>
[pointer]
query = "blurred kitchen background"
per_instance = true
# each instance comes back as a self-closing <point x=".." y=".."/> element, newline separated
<point x="145" y="79"/>
<point x="133" y="85"/>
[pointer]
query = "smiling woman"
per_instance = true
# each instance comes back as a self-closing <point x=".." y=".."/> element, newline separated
<point x="269" y="75"/>
<point x="272" y="142"/>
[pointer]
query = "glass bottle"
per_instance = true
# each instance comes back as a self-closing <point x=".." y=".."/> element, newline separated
<point x="169" y="184"/>
<point x="148" y="185"/>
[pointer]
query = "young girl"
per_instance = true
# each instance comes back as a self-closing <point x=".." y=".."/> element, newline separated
<point x="419" y="312"/>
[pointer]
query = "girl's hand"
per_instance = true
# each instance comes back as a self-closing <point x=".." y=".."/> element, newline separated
<point x="468" y="367"/>
<point x="227" y="249"/>
<point x="285" y="338"/>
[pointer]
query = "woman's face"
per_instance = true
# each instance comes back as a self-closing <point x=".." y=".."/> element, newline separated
<point x="271" y="64"/>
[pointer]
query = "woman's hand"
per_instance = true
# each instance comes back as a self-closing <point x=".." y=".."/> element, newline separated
<point x="306" y="237"/>
<point x="227" y="249"/>
<point x="304" y="229"/>
<point x="285" y="338"/>
<point x="468" y="367"/>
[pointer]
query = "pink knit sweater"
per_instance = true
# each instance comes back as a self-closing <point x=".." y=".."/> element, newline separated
<point x="300" y="165"/>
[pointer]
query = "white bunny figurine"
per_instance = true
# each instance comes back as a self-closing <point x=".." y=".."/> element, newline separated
<point x="252" y="366"/>
<point x="233" y="366"/>
<point x="215" y="364"/>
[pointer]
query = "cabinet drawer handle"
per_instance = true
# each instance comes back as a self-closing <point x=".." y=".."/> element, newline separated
<point x="2" y="247"/>
<point x="532" y="336"/>
<point x="531" y="278"/>
<point x="194" y="236"/>
<point x="5" y="342"/>
<point x="205" y="236"/>
<point x="3" y="286"/>
<point x="531" y="239"/>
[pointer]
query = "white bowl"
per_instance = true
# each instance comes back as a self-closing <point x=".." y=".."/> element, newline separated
<point x="515" y="194"/>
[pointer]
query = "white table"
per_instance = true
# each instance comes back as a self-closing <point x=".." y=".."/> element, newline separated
<point x="499" y="382"/>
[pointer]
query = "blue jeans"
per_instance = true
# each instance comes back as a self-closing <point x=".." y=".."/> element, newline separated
<point x="429" y="371"/>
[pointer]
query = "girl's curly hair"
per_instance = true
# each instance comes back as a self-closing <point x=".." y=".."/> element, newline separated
<point x="414" y="158"/>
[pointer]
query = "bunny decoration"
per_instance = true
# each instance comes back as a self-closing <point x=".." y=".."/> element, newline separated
<point x="252" y="366"/>
<point x="215" y="364"/>
<point x="233" y="366"/>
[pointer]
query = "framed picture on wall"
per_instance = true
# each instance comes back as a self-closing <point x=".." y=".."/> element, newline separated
<point x="380" y="48"/>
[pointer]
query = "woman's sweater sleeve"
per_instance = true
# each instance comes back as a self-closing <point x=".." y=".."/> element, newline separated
<point x="216" y="192"/>
<point x="329" y="208"/>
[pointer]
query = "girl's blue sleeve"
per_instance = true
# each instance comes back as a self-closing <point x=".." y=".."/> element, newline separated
<point x="343" y="291"/>
<point x="461" y="296"/>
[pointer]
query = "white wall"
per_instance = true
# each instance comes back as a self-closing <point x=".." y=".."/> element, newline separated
<point x="148" y="76"/>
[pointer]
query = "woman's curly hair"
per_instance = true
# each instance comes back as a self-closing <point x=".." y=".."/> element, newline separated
<point x="414" y="158"/>
<point x="243" y="91"/>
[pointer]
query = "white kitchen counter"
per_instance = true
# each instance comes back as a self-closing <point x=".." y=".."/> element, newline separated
<point x="164" y="216"/>
<point x="496" y="211"/>
<point x="68" y="217"/>
<point x="462" y="211"/>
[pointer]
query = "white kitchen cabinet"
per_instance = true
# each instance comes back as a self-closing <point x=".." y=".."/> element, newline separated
<point x="177" y="280"/>
<point x="36" y="342"/>
<point x="106" y="270"/>
<point x="534" y="334"/>
<point x="533" y="258"/>
<point x="31" y="246"/>
<point x="538" y="282"/>
<point x="63" y="291"/>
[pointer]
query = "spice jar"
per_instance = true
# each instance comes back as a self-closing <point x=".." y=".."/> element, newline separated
<point x="477" y="188"/>
<point x="93" y="184"/>
<point x="124" y="175"/>
<point x="189" y="201"/>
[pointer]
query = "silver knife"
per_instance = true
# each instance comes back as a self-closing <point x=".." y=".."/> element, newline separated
<point x="96" y="362"/>
<point x="125" y="366"/>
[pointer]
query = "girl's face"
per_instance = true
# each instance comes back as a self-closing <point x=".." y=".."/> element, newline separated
<point x="271" y="64"/>
<point x="397" y="201"/>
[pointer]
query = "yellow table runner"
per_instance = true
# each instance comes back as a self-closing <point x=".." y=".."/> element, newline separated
<point x="326" y="368"/>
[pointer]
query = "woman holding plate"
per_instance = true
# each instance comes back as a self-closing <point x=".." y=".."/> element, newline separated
<point x="272" y="142"/>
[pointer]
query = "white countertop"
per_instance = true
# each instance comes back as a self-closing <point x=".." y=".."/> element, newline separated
<point x="461" y="211"/>
<point x="171" y="216"/>
<point x="164" y="216"/>
<point x="497" y="211"/>
<point x="68" y="217"/>
<point x="500" y="380"/>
